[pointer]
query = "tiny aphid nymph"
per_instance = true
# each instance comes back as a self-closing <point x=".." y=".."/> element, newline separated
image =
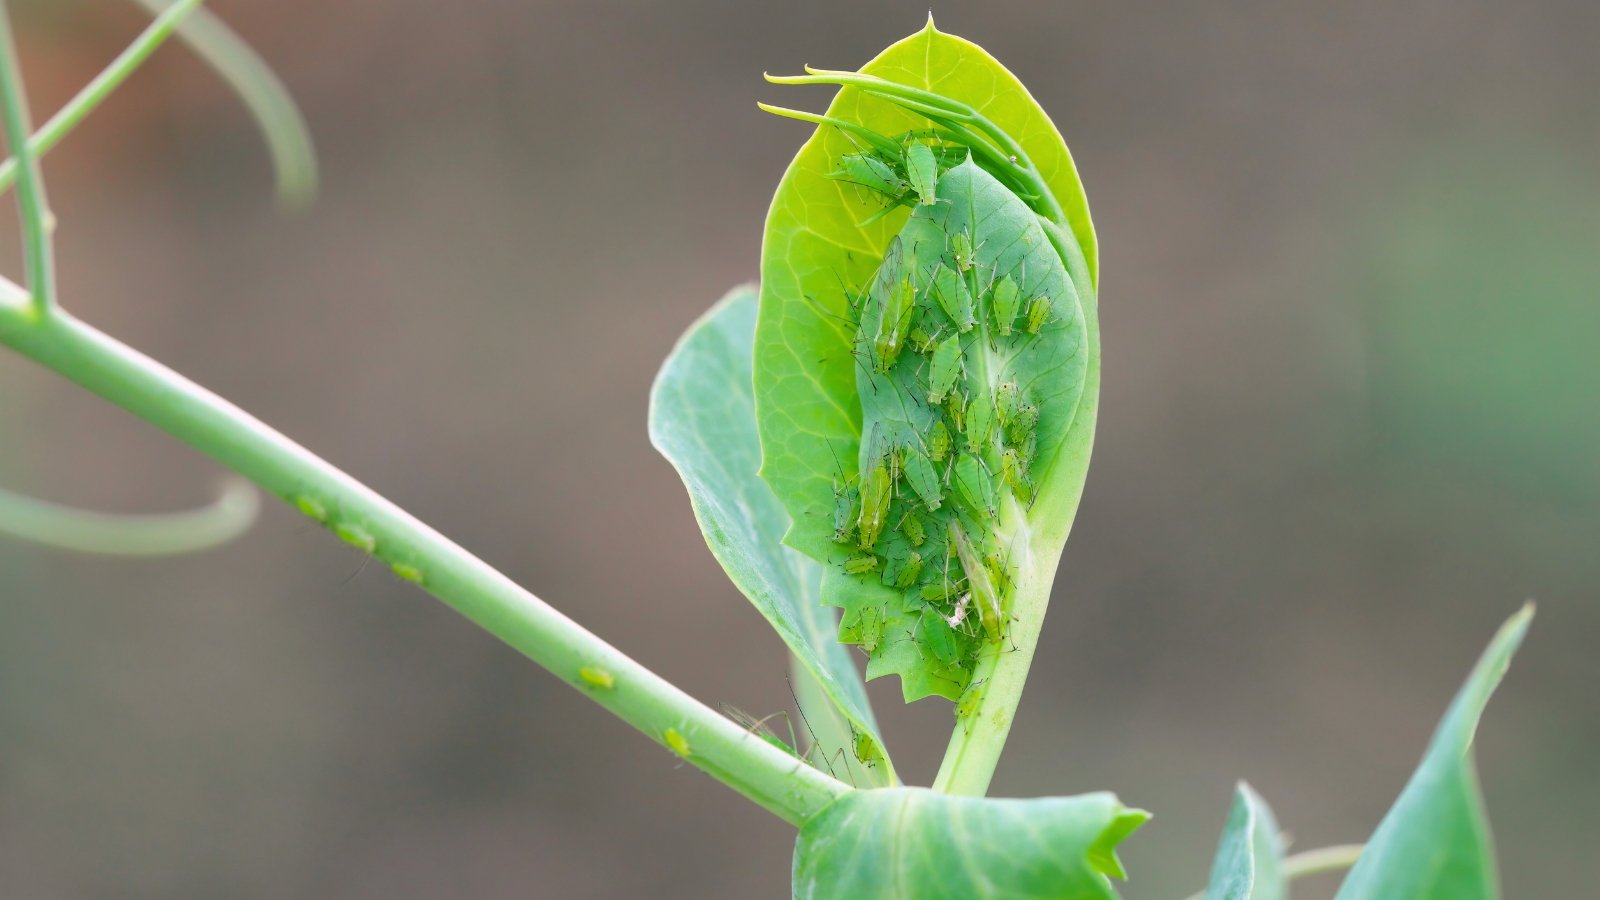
<point x="876" y="493"/>
<point x="861" y="565"/>
<point x="1040" y="310"/>
<point x="922" y="477"/>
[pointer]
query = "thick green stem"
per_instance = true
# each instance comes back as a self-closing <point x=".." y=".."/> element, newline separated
<point x="986" y="711"/>
<point x="96" y="91"/>
<point x="774" y="779"/>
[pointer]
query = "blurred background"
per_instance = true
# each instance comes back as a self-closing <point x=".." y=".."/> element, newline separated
<point x="1349" y="424"/>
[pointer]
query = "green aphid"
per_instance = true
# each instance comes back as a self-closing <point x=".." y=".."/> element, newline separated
<point x="922" y="477"/>
<point x="950" y="292"/>
<point x="980" y="422"/>
<point x="905" y="570"/>
<point x="939" y="591"/>
<point x="871" y="172"/>
<point x="961" y="250"/>
<point x="869" y="630"/>
<point x="938" y="441"/>
<point x="984" y="595"/>
<point x="1014" y="471"/>
<point x="876" y="491"/>
<point x="945" y="368"/>
<point x="675" y="741"/>
<point x="866" y="749"/>
<point x="1040" y="309"/>
<point x="911" y="526"/>
<point x="1007" y="400"/>
<point x="921" y="341"/>
<point x="846" y="509"/>
<point x="1006" y="301"/>
<point x="922" y="168"/>
<point x="957" y="408"/>
<point x="968" y="704"/>
<point x="939" y="639"/>
<point x="998" y="571"/>
<point x="596" y="677"/>
<point x="974" y="485"/>
<point x="894" y="320"/>
<point x="861" y="565"/>
<point x="1022" y="423"/>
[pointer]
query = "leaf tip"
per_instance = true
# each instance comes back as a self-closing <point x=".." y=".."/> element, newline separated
<point x="1103" y="852"/>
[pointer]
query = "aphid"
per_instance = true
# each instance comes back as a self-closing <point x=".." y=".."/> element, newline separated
<point x="866" y="748"/>
<point x="923" y="171"/>
<point x="974" y="486"/>
<point x="1007" y="400"/>
<point x="1014" y="470"/>
<point x="846" y="509"/>
<point x="894" y="319"/>
<point x="946" y="366"/>
<point x="675" y="741"/>
<point x="876" y="491"/>
<point x="968" y="704"/>
<point x="311" y="508"/>
<point x="596" y="677"/>
<point x="869" y="630"/>
<point x="869" y="171"/>
<point x="938" y="592"/>
<point x="938" y="638"/>
<point x="1022" y="423"/>
<point x="950" y="292"/>
<point x="957" y="407"/>
<point x="980" y="422"/>
<point x="999" y="571"/>
<point x="984" y="595"/>
<point x="921" y="341"/>
<point x="357" y="537"/>
<point x="907" y="569"/>
<point x="861" y="565"/>
<point x="911" y="527"/>
<point x="406" y="572"/>
<point x="961" y="250"/>
<point x="938" y="441"/>
<point x="1040" y="309"/>
<point x="922" y="477"/>
<point x="1006" y="301"/>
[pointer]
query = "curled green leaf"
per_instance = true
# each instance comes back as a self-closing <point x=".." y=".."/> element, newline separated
<point x="927" y="370"/>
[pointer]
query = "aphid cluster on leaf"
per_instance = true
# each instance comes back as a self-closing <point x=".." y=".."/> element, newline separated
<point x="948" y="436"/>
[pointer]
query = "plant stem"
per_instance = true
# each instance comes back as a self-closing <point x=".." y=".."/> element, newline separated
<point x="774" y="779"/>
<point x="96" y="91"/>
<point x="107" y="534"/>
<point x="38" y="254"/>
<point x="984" y="718"/>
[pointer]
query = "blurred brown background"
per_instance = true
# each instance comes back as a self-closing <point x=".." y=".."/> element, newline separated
<point x="1352" y="265"/>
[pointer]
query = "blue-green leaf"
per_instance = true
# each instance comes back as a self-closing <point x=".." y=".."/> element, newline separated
<point x="1249" y="861"/>
<point x="1435" y="840"/>
<point x="911" y="842"/>
<point x="702" y="419"/>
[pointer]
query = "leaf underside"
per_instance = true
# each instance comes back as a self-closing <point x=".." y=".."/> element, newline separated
<point x="1249" y="860"/>
<point x="702" y="419"/>
<point x="912" y="842"/>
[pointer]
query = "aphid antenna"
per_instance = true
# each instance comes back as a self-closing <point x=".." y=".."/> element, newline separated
<point x="800" y="708"/>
